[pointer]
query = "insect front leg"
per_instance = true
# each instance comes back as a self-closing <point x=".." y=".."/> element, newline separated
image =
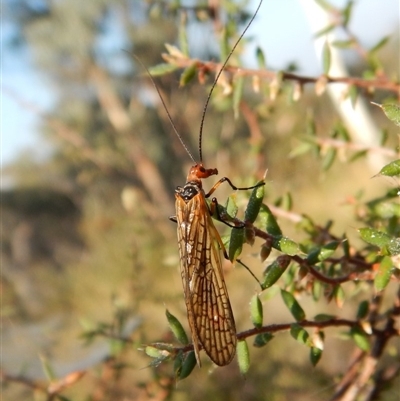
<point x="234" y="187"/>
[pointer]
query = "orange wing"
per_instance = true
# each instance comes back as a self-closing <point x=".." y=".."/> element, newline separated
<point x="209" y="311"/>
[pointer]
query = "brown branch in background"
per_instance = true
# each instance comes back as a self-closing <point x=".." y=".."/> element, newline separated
<point x="362" y="378"/>
<point x="381" y="83"/>
<point x="338" y="144"/>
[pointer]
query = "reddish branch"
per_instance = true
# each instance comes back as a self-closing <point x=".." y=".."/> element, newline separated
<point x="210" y="66"/>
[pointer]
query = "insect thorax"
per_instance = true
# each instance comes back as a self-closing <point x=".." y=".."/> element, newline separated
<point x="189" y="190"/>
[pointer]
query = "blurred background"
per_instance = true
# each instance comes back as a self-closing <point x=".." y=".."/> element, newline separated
<point x="89" y="168"/>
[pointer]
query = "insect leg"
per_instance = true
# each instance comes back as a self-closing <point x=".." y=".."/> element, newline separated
<point x="223" y="179"/>
<point x="214" y="209"/>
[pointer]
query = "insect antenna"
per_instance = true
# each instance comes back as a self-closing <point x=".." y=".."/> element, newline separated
<point x="216" y="80"/>
<point x="165" y="108"/>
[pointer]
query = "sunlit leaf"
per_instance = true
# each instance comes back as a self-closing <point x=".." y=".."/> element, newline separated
<point x="392" y="112"/>
<point x="360" y="338"/>
<point x="392" y="169"/>
<point x="382" y="278"/>
<point x="243" y="356"/>
<point x="256" y="311"/>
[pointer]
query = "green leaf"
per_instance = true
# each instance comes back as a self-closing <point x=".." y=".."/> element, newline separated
<point x="299" y="334"/>
<point x="188" y="74"/>
<point x="360" y="338"/>
<point x="346" y="13"/>
<point x="392" y="112"/>
<point x="286" y="245"/>
<point x="325" y="5"/>
<point x="237" y="94"/>
<point x="254" y="205"/>
<point x="262" y="339"/>
<point x="379" y="45"/>
<point x="326" y="58"/>
<point x="183" y="39"/>
<point x="394" y="246"/>
<point x="363" y="309"/>
<point x="162" y="69"/>
<point x="353" y="94"/>
<point x="382" y="278"/>
<point x="329" y="158"/>
<point x="274" y="271"/>
<point x="343" y="44"/>
<point x="243" y="356"/>
<point x="154" y="352"/>
<point x="188" y="365"/>
<point x="374" y="237"/>
<point x="294" y="307"/>
<point x="236" y="242"/>
<point x="47" y="368"/>
<point x="325" y="30"/>
<point x="177" y="328"/>
<point x="315" y="355"/>
<point x="262" y="65"/>
<point x="323" y="317"/>
<point x="316" y="290"/>
<point x="339" y="296"/>
<point x="268" y="221"/>
<point x="392" y="169"/>
<point x="256" y="311"/>
<point x="231" y="207"/>
<point x="322" y="253"/>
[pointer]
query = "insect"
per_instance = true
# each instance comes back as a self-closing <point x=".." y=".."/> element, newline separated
<point x="208" y="307"/>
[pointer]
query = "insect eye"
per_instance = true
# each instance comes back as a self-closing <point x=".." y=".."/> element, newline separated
<point x="202" y="169"/>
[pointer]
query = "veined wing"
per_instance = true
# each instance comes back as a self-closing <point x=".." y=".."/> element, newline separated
<point x="209" y="311"/>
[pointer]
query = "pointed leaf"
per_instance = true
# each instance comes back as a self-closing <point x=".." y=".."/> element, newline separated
<point x="188" y="74"/>
<point x="162" y="69"/>
<point x="177" y="328"/>
<point x="374" y="237"/>
<point x="315" y="355"/>
<point x="392" y="112"/>
<point x="392" y="169"/>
